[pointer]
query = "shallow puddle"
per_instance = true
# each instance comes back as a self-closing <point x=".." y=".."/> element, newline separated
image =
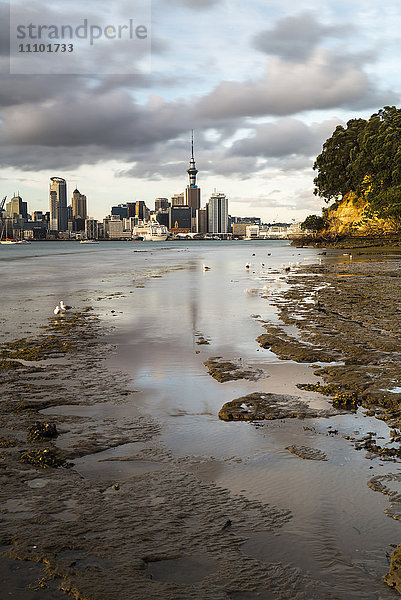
<point x="186" y="570"/>
<point x="107" y="466"/>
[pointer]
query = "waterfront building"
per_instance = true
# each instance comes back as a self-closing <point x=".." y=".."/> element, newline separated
<point x="91" y="229"/>
<point x="218" y="213"/>
<point x="58" y="204"/>
<point x="79" y="207"/>
<point x="201" y="220"/>
<point x="163" y="217"/>
<point x="180" y="219"/>
<point x="113" y="227"/>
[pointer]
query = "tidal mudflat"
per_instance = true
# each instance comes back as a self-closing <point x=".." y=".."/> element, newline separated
<point x="151" y="494"/>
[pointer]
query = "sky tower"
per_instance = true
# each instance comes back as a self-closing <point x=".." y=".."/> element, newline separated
<point x="192" y="192"/>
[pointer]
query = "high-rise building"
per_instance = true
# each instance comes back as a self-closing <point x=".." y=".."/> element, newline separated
<point x="16" y="208"/>
<point x="121" y="211"/>
<point x="192" y="192"/>
<point x="218" y="213"/>
<point x="178" y="200"/>
<point x="79" y="208"/>
<point x="91" y="229"/>
<point x="179" y="218"/>
<point x="161" y="204"/>
<point x="141" y="210"/>
<point x="58" y="204"/>
<point x="201" y="220"/>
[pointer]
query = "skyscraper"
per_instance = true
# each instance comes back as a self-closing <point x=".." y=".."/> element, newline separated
<point x="192" y="192"/>
<point x="79" y="209"/>
<point x="218" y="213"/>
<point x="58" y="204"/>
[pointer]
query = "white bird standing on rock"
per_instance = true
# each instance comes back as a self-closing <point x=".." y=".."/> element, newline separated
<point x="57" y="310"/>
<point x="64" y="306"/>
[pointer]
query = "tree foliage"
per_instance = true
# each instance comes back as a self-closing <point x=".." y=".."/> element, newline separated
<point x="314" y="223"/>
<point x="365" y="158"/>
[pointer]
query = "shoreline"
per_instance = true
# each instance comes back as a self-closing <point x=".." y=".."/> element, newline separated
<point x="130" y="517"/>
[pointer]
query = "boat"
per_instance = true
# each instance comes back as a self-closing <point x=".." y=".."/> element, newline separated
<point x="9" y="242"/>
<point x="151" y="232"/>
<point x="88" y="242"/>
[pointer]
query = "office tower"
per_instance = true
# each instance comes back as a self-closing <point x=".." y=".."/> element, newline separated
<point x="218" y="213"/>
<point x="141" y="210"/>
<point x="201" y="220"/>
<point x="161" y="204"/>
<point x="131" y="209"/>
<point x="91" y="229"/>
<point x="58" y="204"/>
<point x="79" y="208"/>
<point x="192" y="192"/>
<point x="16" y="208"/>
<point x="180" y="218"/>
<point x="121" y="211"/>
<point x="178" y="200"/>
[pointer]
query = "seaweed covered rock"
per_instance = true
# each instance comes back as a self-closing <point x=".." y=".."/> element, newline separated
<point x="393" y="577"/>
<point x="42" y="458"/>
<point x="260" y="406"/>
<point x="224" y="371"/>
<point x="342" y="399"/>
<point x="41" y="431"/>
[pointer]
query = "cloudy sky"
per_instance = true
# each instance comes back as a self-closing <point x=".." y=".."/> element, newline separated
<point x="263" y="83"/>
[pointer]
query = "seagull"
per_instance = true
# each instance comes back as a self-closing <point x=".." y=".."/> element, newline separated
<point x="247" y="266"/>
<point x="64" y="306"/>
<point x="205" y="268"/>
<point x="56" y="310"/>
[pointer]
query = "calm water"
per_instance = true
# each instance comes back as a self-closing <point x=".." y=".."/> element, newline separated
<point x="162" y="302"/>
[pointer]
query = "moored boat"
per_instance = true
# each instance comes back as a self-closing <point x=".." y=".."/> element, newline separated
<point x="151" y="232"/>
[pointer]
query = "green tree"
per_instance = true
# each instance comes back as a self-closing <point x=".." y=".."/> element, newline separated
<point x="314" y="223"/>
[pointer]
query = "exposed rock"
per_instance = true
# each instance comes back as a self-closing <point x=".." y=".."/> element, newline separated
<point x="307" y="453"/>
<point x="224" y="371"/>
<point x="261" y="406"/>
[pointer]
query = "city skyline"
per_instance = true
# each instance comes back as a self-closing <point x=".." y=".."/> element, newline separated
<point x="262" y="85"/>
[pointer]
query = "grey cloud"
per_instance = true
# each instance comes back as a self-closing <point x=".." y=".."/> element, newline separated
<point x="195" y="4"/>
<point x="294" y="38"/>
<point x="324" y="80"/>
<point x="285" y="138"/>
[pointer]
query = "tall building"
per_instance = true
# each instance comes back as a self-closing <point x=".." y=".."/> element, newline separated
<point x="121" y="211"/>
<point x="179" y="219"/>
<point x="161" y="204"/>
<point x="141" y="210"/>
<point x="178" y="200"/>
<point x="58" y="204"/>
<point x="79" y="208"/>
<point x="218" y="213"/>
<point x="91" y="229"/>
<point x="16" y="208"/>
<point x="192" y="192"/>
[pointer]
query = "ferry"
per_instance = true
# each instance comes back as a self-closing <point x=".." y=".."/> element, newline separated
<point x="88" y="242"/>
<point x="151" y="232"/>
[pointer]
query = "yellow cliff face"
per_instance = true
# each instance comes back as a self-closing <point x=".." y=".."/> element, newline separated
<point x="347" y="216"/>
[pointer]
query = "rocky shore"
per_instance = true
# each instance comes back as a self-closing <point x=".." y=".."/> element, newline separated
<point x="347" y="313"/>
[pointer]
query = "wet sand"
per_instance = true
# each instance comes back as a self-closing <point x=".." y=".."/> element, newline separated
<point x="149" y="505"/>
